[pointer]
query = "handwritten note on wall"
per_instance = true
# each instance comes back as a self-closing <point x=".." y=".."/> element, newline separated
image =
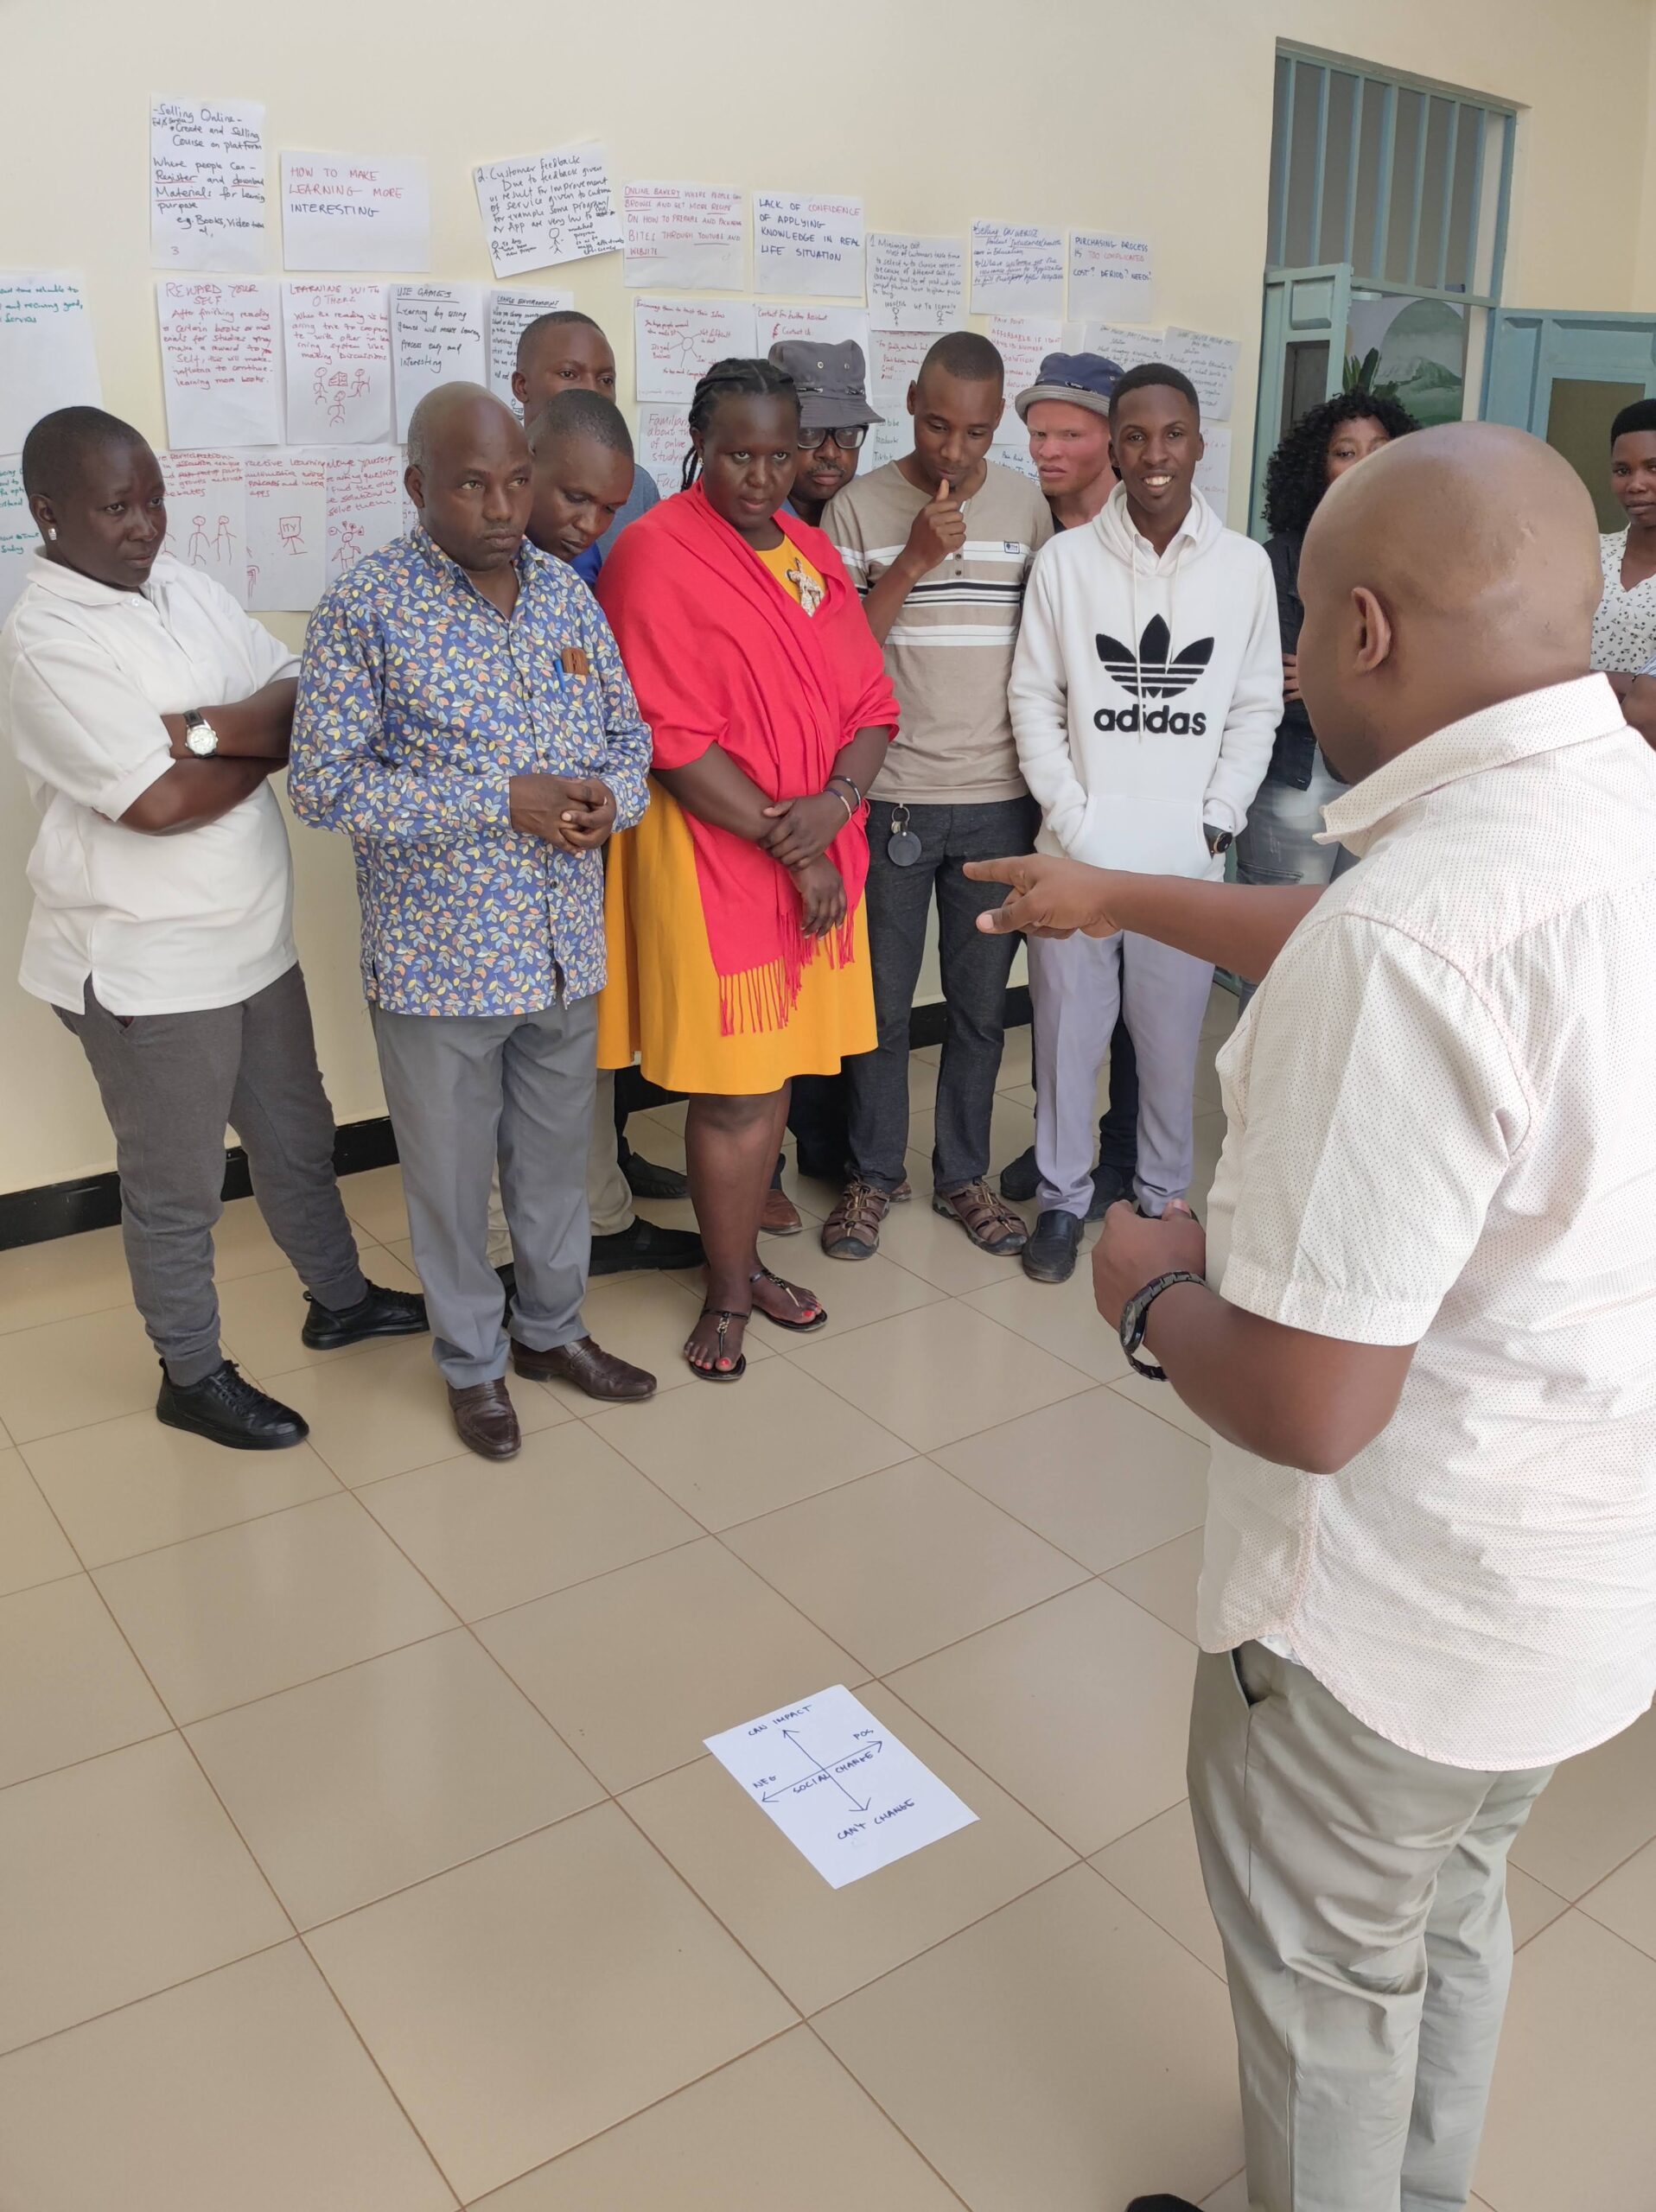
<point x="437" y="336"/>
<point x="47" y="358"/>
<point x="207" y="184"/>
<point x="220" y="361"/>
<point x="365" y="506"/>
<point x="207" y="516"/>
<point x="916" y="284"/>
<point x="676" y="341"/>
<point x="355" y="211"/>
<point x="338" y="348"/>
<point x="663" y="441"/>
<point x="1213" y="469"/>
<point x="1210" y="364"/>
<point x="287" y="529"/>
<point x="1023" y="342"/>
<point x="1111" y="277"/>
<point x="510" y="315"/>
<point x="19" y="536"/>
<point x="776" y="320"/>
<point x="547" y="209"/>
<point x="807" y="242"/>
<point x="687" y="236"/>
<point x="1016" y="268"/>
<point x="896" y="359"/>
<point x="1128" y="349"/>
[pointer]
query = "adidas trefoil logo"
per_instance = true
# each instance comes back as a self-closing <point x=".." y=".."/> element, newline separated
<point x="1154" y="672"/>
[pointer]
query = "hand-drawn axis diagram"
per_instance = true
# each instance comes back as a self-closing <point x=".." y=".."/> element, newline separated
<point x="842" y="1769"/>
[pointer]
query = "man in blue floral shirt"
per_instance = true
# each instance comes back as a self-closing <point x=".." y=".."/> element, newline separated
<point x="465" y="719"/>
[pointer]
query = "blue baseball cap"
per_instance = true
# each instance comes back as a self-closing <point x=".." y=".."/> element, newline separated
<point x="1084" y="379"/>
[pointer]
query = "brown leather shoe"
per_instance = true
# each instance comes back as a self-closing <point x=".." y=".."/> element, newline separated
<point x="599" y="1373"/>
<point x="780" y="1216"/>
<point x="985" y="1216"/>
<point x="852" y="1230"/>
<point x="484" y="1421"/>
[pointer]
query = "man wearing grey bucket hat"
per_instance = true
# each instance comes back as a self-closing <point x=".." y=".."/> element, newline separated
<point x="834" y="417"/>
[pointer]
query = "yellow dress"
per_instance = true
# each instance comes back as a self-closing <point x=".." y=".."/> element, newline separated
<point x="661" y="1003"/>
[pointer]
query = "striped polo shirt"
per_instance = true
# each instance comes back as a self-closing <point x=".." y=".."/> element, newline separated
<point x="949" y="653"/>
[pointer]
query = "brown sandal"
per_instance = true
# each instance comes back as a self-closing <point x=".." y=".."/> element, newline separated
<point x="797" y="1296"/>
<point x="986" y="1217"/>
<point x="852" y="1230"/>
<point x="724" y="1315"/>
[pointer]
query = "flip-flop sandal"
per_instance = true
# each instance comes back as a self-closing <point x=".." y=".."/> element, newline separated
<point x="818" y="1320"/>
<point x="724" y="1315"/>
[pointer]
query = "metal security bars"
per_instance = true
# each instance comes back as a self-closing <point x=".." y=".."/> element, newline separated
<point x="1407" y="181"/>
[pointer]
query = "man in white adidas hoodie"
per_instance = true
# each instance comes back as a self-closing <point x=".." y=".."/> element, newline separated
<point x="1145" y="694"/>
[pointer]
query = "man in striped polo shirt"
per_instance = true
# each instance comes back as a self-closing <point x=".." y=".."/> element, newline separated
<point x="939" y="543"/>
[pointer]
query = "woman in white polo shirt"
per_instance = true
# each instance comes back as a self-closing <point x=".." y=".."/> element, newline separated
<point x="147" y="712"/>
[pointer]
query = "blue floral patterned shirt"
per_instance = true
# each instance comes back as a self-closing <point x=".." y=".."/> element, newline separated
<point x="419" y="702"/>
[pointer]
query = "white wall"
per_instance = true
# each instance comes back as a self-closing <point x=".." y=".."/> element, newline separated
<point x="1092" y="112"/>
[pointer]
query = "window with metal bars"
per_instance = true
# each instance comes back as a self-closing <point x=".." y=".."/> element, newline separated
<point x="1406" y="181"/>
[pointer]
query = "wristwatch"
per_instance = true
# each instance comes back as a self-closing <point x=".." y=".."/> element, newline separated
<point x="1135" y="1316"/>
<point x="200" y="736"/>
<point x="1218" y="840"/>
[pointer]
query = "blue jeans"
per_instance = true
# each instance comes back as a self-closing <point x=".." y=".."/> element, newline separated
<point x="1277" y="847"/>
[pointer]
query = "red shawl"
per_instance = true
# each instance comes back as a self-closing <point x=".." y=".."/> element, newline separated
<point x="719" y="654"/>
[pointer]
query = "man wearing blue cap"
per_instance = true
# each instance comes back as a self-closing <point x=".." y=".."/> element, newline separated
<point x="1067" y="413"/>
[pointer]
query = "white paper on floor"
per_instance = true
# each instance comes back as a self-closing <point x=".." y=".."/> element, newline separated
<point x="839" y="1785"/>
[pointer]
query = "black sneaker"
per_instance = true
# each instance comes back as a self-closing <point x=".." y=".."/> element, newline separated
<point x="643" y="1247"/>
<point x="508" y="1275"/>
<point x="1110" y="1186"/>
<point x="379" y="1314"/>
<point x="1050" y="1256"/>
<point x="646" y="1181"/>
<point x="227" y="1408"/>
<point x="1163" y="2204"/>
<point x="1021" y="1178"/>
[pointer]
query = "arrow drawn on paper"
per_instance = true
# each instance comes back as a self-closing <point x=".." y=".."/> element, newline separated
<point x="830" y="1772"/>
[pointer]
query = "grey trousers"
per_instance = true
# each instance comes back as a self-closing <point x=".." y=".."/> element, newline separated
<point x="169" y="1084"/>
<point x="1361" y="1892"/>
<point x="465" y="1091"/>
<point x="1078" y="985"/>
<point x="610" y="1197"/>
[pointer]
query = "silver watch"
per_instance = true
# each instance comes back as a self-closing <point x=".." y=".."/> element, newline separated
<point x="200" y="736"/>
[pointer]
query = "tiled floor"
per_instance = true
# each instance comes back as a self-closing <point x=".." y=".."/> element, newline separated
<point x="358" y="1850"/>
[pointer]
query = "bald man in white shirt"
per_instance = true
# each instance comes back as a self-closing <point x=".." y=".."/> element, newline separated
<point x="1423" y="1323"/>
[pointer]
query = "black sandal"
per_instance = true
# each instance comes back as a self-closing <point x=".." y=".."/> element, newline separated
<point x="724" y="1315"/>
<point x="798" y="1328"/>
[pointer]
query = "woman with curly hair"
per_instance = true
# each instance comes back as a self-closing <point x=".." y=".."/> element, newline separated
<point x="1277" y="846"/>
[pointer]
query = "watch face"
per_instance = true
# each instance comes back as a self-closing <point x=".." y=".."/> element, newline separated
<point x="203" y="740"/>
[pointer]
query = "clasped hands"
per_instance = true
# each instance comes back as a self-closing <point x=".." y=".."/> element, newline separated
<point x="572" y="814"/>
<point x="800" y="832"/>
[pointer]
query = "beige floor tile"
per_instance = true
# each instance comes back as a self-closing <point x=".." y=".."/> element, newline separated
<point x="817" y="1944"/>
<point x="856" y="1294"/>
<point x="903" y="1562"/>
<point x="242" y="1245"/>
<point x="1626" y="1902"/>
<point x="1572" y="2121"/>
<point x="728" y="1451"/>
<point x="568" y="1507"/>
<point x="69" y="1687"/>
<point x="1533" y="1906"/>
<point x="1078" y="1707"/>
<point x="1094" y="1474"/>
<point x="939" y="1374"/>
<point x="379" y="1777"/>
<point x="385" y="1409"/>
<point x="119" y="1878"/>
<point x="1164" y="1402"/>
<point x="1597" y="1811"/>
<point x="244" y="2089"/>
<point x="1234" y="2198"/>
<point x="1164" y="1582"/>
<point x="262" y="1315"/>
<point x="33" y="1547"/>
<point x="249" y="1610"/>
<point x="936" y="1249"/>
<point x="784" y="2129"/>
<point x="69" y="1373"/>
<point x="131" y="1485"/>
<point x="520" y="2003"/>
<point x="374" y="1201"/>
<point x="1064" y="2053"/>
<point x="635" y="1670"/>
<point x="1062" y="1318"/>
<point x="1157" y="1867"/>
<point x="62" y="1278"/>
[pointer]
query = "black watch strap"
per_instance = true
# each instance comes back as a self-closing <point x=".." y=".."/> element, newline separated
<point x="1135" y="1316"/>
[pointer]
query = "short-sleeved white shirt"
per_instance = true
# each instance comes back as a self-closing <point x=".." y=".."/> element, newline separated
<point x="1442" y="1132"/>
<point x="172" y="925"/>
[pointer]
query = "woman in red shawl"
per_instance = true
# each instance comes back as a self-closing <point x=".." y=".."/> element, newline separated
<point x="738" y="945"/>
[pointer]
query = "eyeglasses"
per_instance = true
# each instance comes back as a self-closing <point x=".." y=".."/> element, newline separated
<point x="847" y="440"/>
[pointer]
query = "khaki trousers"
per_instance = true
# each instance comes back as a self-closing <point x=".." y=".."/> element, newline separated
<point x="1360" y="1893"/>
<point x="609" y="1202"/>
